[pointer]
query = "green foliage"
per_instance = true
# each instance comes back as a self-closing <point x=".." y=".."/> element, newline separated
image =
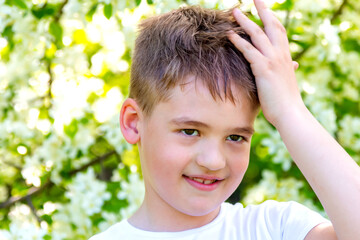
<point x="108" y="11"/>
<point x="91" y="12"/>
<point x="48" y="10"/>
<point x="56" y="30"/>
<point x="18" y="3"/>
<point x="286" y="5"/>
<point x="64" y="72"/>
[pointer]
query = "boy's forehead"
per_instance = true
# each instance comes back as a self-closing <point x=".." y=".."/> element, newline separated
<point x="193" y="102"/>
<point x="199" y="88"/>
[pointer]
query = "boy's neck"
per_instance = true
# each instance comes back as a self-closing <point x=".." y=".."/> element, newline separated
<point x="155" y="217"/>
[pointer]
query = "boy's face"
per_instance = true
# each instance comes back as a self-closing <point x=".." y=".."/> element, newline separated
<point x="194" y="150"/>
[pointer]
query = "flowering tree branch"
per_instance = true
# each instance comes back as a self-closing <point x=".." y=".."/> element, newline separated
<point x="37" y="190"/>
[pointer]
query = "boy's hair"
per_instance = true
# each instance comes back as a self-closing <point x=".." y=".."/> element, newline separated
<point x="188" y="41"/>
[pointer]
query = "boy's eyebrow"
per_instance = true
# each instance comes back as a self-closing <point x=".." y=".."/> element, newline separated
<point x="186" y="121"/>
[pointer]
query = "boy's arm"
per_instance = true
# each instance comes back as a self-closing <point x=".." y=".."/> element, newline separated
<point x="331" y="172"/>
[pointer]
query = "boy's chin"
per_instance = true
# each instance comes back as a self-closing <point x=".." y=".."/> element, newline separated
<point x="201" y="210"/>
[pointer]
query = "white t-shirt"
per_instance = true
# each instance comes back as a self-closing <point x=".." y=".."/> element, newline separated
<point x="269" y="220"/>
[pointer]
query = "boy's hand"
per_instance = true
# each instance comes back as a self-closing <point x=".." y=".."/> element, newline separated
<point x="331" y="172"/>
<point x="270" y="62"/>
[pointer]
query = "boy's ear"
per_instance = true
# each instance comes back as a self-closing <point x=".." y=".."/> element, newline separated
<point x="129" y="121"/>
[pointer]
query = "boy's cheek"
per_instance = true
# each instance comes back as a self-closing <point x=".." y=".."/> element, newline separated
<point x="239" y="160"/>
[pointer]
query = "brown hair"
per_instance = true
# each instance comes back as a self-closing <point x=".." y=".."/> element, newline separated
<point x="188" y="41"/>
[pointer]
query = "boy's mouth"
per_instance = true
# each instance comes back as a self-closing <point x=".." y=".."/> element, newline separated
<point x="203" y="183"/>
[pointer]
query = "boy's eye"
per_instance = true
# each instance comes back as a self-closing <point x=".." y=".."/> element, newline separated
<point x="235" y="138"/>
<point x="190" y="132"/>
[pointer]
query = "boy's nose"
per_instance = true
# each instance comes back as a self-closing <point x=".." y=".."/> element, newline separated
<point x="211" y="157"/>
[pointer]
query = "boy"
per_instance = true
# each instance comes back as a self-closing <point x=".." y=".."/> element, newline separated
<point x="191" y="109"/>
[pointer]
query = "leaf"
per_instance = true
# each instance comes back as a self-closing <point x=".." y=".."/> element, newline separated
<point x="351" y="44"/>
<point x="46" y="10"/>
<point x="7" y="32"/>
<point x="47" y="218"/>
<point x="71" y="129"/>
<point x="56" y="30"/>
<point x="47" y="237"/>
<point x="108" y="11"/>
<point x="137" y="2"/>
<point x="287" y="5"/>
<point x="150" y="2"/>
<point x="20" y="4"/>
<point x="92" y="11"/>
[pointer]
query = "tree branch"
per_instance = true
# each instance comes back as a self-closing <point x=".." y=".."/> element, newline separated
<point x="33" y="209"/>
<point x="36" y="190"/>
<point x="51" y="79"/>
<point x="32" y="191"/>
<point x="60" y="12"/>
<point x="302" y="52"/>
<point x="339" y="11"/>
<point x="93" y="162"/>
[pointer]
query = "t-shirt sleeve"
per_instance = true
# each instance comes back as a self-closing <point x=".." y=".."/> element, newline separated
<point x="296" y="220"/>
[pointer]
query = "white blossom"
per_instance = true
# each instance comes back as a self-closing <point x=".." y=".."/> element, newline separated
<point x="277" y="148"/>
<point x="133" y="191"/>
<point x="108" y="106"/>
<point x="270" y="187"/>
<point x="330" y="38"/>
<point x="325" y="114"/>
<point x="24" y="231"/>
<point x="313" y="6"/>
<point x="349" y="134"/>
<point x="111" y="132"/>
<point x="88" y="191"/>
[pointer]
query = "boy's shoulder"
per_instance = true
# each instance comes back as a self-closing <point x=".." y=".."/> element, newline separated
<point x="269" y="220"/>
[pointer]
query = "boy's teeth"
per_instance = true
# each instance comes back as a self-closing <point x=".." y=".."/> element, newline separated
<point x="208" y="181"/>
<point x="203" y="181"/>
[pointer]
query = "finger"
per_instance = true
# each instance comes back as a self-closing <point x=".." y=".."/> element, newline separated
<point x="250" y="53"/>
<point x="257" y="35"/>
<point x="275" y="31"/>
<point x="296" y="65"/>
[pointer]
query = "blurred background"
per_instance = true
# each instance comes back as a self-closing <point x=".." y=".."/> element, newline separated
<point x="66" y="171"/>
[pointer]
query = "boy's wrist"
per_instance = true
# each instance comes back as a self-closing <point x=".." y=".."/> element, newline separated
<point x="291" y="117"/>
